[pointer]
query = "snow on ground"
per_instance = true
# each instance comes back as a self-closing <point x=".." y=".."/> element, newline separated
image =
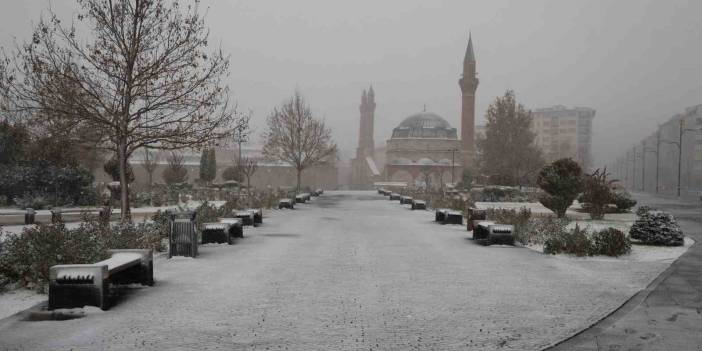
<point x="17" y="300"/>
<point x="352" y="271"/>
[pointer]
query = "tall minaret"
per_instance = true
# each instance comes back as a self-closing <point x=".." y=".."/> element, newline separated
<point x="468" y="84"/>
<point x="365" y="133"/>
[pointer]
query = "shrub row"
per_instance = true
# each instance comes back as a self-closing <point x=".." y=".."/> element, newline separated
<point x="26" y="257"/>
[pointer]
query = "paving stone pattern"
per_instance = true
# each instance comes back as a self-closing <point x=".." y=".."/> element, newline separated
<point x="351" y="271"/>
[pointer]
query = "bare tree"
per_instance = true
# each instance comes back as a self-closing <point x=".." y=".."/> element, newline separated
<point x="296" y="137"/>
<point x="151" y="160"/>
<point x="247" y="167"/>
<point x="175" y="172"/>
<point x="426" y="173"/>
<point x="141" y="78"/>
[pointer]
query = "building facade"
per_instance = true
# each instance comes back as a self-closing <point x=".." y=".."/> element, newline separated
<point x="669" y="156"/>
<point x="424" y="149"/>
<point x="270" y="174"/>
<point x="563" y="132"/>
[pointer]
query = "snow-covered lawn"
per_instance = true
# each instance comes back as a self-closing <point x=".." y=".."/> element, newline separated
<point x="353" y="271"/>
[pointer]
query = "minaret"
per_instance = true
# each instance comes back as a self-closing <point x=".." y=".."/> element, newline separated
<point x="365" y="132"/>
<point x="468" y="84"/>
<point x="370" y="143"/>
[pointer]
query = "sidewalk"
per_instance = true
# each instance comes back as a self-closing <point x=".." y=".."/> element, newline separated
<point x="668" y="314"/>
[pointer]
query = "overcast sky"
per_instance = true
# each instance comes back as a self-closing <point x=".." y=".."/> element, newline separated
<point x="637" y="62"/>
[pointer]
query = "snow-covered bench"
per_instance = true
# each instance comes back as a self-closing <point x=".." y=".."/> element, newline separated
<point x="405" y="200"/>
<point x="419" y="205"/>
<point x="447" y="216"/>
<point x="301" y="198"/>
<point x="286" y="203"/>
<point x="491" y="233"/>
<point x="394" y="196"/>
<point x="250" y="216"/>
<point x="78" y="285"/>
<point x="223" y="231"/>
<point x="440" y="214"/>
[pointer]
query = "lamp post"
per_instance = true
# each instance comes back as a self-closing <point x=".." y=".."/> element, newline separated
<point x="678" y="143"/>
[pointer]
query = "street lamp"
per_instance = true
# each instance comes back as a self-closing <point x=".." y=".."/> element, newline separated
<point x="679" y="145"/>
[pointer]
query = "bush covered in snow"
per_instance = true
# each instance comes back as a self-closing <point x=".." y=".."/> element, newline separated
<point x="26" y="257"/>
<point x="502" y="194"/>
<point x="609" y="242"/>
<point x="622" y="199"/>
<point x="656" y="228"/>
<point x="520" y="219"/>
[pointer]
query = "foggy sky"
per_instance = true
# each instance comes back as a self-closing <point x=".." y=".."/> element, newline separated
<point x="637" y="62"/>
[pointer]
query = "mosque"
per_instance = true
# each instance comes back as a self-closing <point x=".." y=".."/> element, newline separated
<point x="424" y="148"/>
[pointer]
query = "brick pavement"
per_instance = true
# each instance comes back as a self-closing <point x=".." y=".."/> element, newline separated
<point x="351" y="271"/>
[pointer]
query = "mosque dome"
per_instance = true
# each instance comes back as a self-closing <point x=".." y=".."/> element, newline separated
<point x="424" y="125"/>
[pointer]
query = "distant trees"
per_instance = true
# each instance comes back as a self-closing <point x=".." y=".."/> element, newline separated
<point x="140" y="78"/>
<point x="561" y="181"/>
<point x="175" y="172"/>
<point x="151" y="160"/>
<point x="208" y="165"/>
<point x="247" y="167"/>
<point x="295" y="136"/>
<point x="508" y="154"/>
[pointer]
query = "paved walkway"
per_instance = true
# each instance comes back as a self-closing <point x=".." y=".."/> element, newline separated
<point x="351" y="271"/>
<point x="668" y="314"/>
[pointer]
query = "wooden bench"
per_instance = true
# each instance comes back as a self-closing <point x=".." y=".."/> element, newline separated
<point x="78" y="285"/>
<point x="237" y="227"/>
<point x="406" y="200"/>
<point x="419" y="205"/>
<point x="286" y="203"/>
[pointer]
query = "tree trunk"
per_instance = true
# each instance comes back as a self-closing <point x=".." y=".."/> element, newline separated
<point x="124" y="182"/>
<point x="299" y="176"/>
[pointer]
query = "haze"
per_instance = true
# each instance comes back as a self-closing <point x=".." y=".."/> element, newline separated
<point x="635" y="62"/>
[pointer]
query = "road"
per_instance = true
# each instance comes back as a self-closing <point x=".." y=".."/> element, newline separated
<point x="350" y="271"/>
<point x="668" y="314"/>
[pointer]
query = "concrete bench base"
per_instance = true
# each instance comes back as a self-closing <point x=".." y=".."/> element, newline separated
<point x="490" y="233"/>
<point x="286" y="203"/>
<point x="419" y="205"/>
<point x="217" y="233"/>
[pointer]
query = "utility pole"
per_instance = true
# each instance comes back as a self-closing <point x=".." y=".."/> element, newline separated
<point x="658" y="153"/>
<point x="633" y="170"/>
<point x="626" y="169"/>
<point x="643" y="165"/>
<point x="680" y="152"/>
